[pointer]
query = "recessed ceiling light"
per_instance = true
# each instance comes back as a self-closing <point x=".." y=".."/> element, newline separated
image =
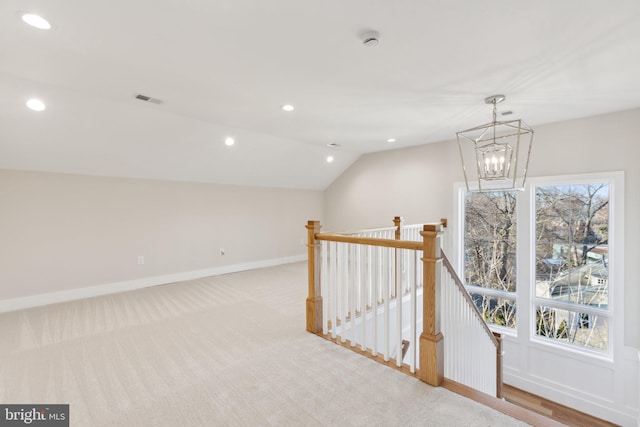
<point x="288" y="107"/>
<point x="36" y="105"/>
<point x="333" y="144"/>
<point x="391" y="140"/>
<point x="36" y="21"/>
<point x="329" y="159"/>
<point x="228" y="141"/>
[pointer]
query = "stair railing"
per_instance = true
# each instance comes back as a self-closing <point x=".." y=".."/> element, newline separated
<point x="390" y="296"/>
<point x="467" y="334"/>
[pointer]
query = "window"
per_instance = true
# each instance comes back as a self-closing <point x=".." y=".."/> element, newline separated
<point x="490" y="254"/>
<point x="572" y="270"/>
<point x="562" y="280"/>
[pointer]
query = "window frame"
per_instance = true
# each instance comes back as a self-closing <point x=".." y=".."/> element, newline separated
<point x="490" y="292"/>
<point x="525" y="296"/>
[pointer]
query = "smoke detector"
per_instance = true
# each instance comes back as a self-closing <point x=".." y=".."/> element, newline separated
<point x="370" y="38"/>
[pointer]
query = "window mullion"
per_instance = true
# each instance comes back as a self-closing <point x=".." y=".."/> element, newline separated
<point x="525" y="262"/>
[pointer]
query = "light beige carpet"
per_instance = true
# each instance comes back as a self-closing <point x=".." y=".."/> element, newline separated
<point x="222" y="351"/>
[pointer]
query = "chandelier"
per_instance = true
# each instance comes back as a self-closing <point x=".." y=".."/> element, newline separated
<point x="495" y="156"/>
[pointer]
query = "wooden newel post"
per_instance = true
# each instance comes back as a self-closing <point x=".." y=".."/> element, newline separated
<point x="431" y="345"/>
<point x="397" y="222"/>
<point x="314" y="300"/>
<point x="397" y="280"/>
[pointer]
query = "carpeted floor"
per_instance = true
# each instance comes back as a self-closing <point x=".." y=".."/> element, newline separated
<point x="222" y="351"/>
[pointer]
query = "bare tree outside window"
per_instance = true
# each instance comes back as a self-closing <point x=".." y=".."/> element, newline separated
<point x="490" y="254"/>
<point x="570" y="261"/>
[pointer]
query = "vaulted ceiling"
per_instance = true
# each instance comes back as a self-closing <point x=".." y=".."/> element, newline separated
<point x="225" y="67"/>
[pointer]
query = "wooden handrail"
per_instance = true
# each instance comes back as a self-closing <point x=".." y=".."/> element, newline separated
<point x="467" y="297"/>
<point x="371" y="241"/>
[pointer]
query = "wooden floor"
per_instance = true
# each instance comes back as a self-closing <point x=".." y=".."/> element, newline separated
<point x="550" y="409"/>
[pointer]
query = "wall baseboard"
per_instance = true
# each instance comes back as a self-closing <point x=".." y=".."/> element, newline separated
<point x="20" y="303"/>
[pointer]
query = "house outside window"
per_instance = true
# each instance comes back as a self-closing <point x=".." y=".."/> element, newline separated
<point x="572" y="264"/>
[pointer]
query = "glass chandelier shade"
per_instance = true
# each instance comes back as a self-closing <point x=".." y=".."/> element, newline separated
<point x="495" y="156"/>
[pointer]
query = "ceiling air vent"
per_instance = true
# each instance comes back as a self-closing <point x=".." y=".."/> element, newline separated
<point x="146" y="98"/>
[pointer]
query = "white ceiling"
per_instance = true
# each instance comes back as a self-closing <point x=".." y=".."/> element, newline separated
<point x="224" y="67"/>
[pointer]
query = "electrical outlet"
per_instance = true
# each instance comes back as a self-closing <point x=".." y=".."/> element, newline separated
<point x="221" y="251"/>
<point x="140" y="259"/>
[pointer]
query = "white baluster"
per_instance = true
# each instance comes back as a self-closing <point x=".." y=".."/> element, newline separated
<point x="339" y="289"/>
<point x="370" y="276"/>
<point x="324" y="286"/>
<point x="446" y="328"/>
<point x="333" y="268"/>
<point x="386" y="292"/>
<point x="352" y="294"/>
<point x="468" y="367"/>
<point x="446" y="314"/>
<point x="344" y="306"/>
<point x="376" y="270"/>
<point x="363" y="280"/>
<point x="398" y="276"/>
<point x="414" y="315"/>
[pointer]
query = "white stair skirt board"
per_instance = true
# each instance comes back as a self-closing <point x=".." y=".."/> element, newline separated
<point x="130" y="285"/>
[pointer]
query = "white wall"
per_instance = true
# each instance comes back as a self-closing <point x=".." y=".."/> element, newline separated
<point x="415" y="183"/>
<point x="61" y="232"/>
<point x="418" y="184"/>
